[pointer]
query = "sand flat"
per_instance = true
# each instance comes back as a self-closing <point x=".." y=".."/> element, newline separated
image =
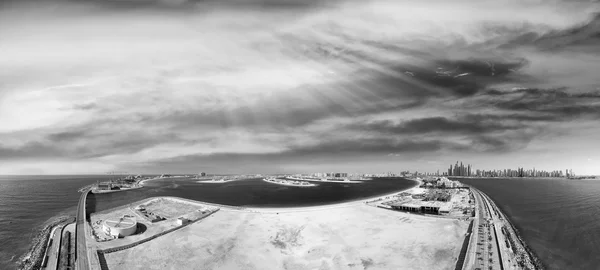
<point x="350" y="237"/>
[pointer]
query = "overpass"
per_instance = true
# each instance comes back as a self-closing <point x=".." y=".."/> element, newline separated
<point x="81" y="258"/>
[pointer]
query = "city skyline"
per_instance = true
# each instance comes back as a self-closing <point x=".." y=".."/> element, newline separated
<point x="89" y="87"/>
<point x="468" y="170"/>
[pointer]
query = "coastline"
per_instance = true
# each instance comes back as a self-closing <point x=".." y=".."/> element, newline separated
<point x="32" y="259"/>
<point x="289" y="185"/>
<point x="141" y="183"/>
<point x="329" y="206"/>
<point x="116" y="190"/>
<point x="537" y="263"/>
<point x="526" y="254"/>
<point x="216" y="181"/>
<point x="326" y="181"/>
<point x="274" y="209"/>
<point x="36" y="252"/>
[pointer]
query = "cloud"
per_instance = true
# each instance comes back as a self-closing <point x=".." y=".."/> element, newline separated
<point x="585" y="36"/>
<point x="66" y="136"/>
<point x="436" y="124"/>
<point x="162" y="83"/>
<point x="555" y="103"/>
<point x="32" y="150"/>
<point x="85" y="106"/>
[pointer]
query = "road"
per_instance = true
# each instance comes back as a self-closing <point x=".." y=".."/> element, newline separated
<point x="70" y="228"/>
<point x="471" y="256"/>
<point x="81" y="258"/>
<point x="486" y="252"/>
<point x="54" y="249"/>
<point x="508" y="257"/>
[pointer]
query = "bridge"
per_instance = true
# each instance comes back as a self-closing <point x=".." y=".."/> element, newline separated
<point x="81" y="258"/>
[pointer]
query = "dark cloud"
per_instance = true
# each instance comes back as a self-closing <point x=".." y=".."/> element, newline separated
<point x="85" y="106"/>
<point x="288" y="111"/>
<point x="327" y="151"/>
<point x="87" y="143"/>
<point x="436" y="124"/>
<point x="198" y="5"/>
<point x="382" y="145"/>
<point x="519" y="117"/>
<point x="32" y="150"/>
<point x="482" y="67"/>
<point x="338" y="151"/>
<point x="556" y="103"/>
<point x="584" y="37"/>
<point x="458" y="78"/>
<point x="66" y="136"/>
<point x="499" y="143"/>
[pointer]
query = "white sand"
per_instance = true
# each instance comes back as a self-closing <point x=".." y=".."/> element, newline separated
<point x="351" y="236"/>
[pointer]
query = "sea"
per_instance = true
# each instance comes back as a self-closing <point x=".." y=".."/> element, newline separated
<point x="28" y="203"/>
<point x="558" y="218"/>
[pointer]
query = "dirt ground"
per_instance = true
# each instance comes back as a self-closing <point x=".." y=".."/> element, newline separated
<point x="460" y="203"/>
<point x="169" y="208"/>
<point x="350" y="237"/>
<point x="174" y="207"/>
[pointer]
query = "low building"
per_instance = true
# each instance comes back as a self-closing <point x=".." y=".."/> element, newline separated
<point x="409" y="207"/>
<point x="426" y="207"/>
<point x="182" y="221"/>
<point x="445" y="209"/>
<point x="120" y="227"/>
<point x="104" y="186"/>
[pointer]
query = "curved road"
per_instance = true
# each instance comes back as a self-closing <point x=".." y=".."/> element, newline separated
<point x="81" y="258"/>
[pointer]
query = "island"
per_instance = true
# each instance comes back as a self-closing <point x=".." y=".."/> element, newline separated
<point x="287" y="182"/>
<point x="170" y="232"/>
<point x="438" y="224"/>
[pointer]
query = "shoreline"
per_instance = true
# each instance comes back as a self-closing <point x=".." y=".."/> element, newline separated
<point x="529" y="255"/>
<point x="141" y="183"/>
<point x="535" y="260"/>
<point x="218" y="181"/>
<point x="32" y="259"/>
<point x="274" y="209"/>
<point x="328" y="206"/>
<point x="115" y="190"/>
<point x="34" y="255"/>
<point x="289" y="185"/>
<point x="323" y="181"/>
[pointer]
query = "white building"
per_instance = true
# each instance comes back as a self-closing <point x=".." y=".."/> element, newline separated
<point x="120" y="227"/>
<point x="182" y="221"/>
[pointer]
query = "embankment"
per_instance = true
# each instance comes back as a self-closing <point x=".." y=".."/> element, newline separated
<point x="526" y="257"/>
<point x="33" y="258"/>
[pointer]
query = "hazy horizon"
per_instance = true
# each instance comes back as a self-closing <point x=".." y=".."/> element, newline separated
<point x="251" y="86"/>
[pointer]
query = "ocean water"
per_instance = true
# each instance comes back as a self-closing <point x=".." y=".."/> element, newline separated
<point x="29" y="202"/>
<point x="558" y="218"/>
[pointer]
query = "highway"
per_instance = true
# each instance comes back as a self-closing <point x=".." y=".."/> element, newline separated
<point x="81" y="258"/>
<point x="487" y="252"/>
<point x="498" y="222"/>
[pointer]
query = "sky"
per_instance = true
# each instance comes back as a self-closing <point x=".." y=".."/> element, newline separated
<point x="290" y="86"/>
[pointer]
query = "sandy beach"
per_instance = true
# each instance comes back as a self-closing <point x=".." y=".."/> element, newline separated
<point x="141" y="183"/>
<point x="340" y="237"/>
<point x="289" y="185"/>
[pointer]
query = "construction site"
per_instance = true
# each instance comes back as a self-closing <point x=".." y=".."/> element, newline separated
<point x="449" y="202"/>
<point x="320" y="237"/>
<point x="144" y="220"/>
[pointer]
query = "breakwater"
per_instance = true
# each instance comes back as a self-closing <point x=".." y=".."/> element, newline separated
<point x="33" y="258"/>
<point x="558" y="220"/>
